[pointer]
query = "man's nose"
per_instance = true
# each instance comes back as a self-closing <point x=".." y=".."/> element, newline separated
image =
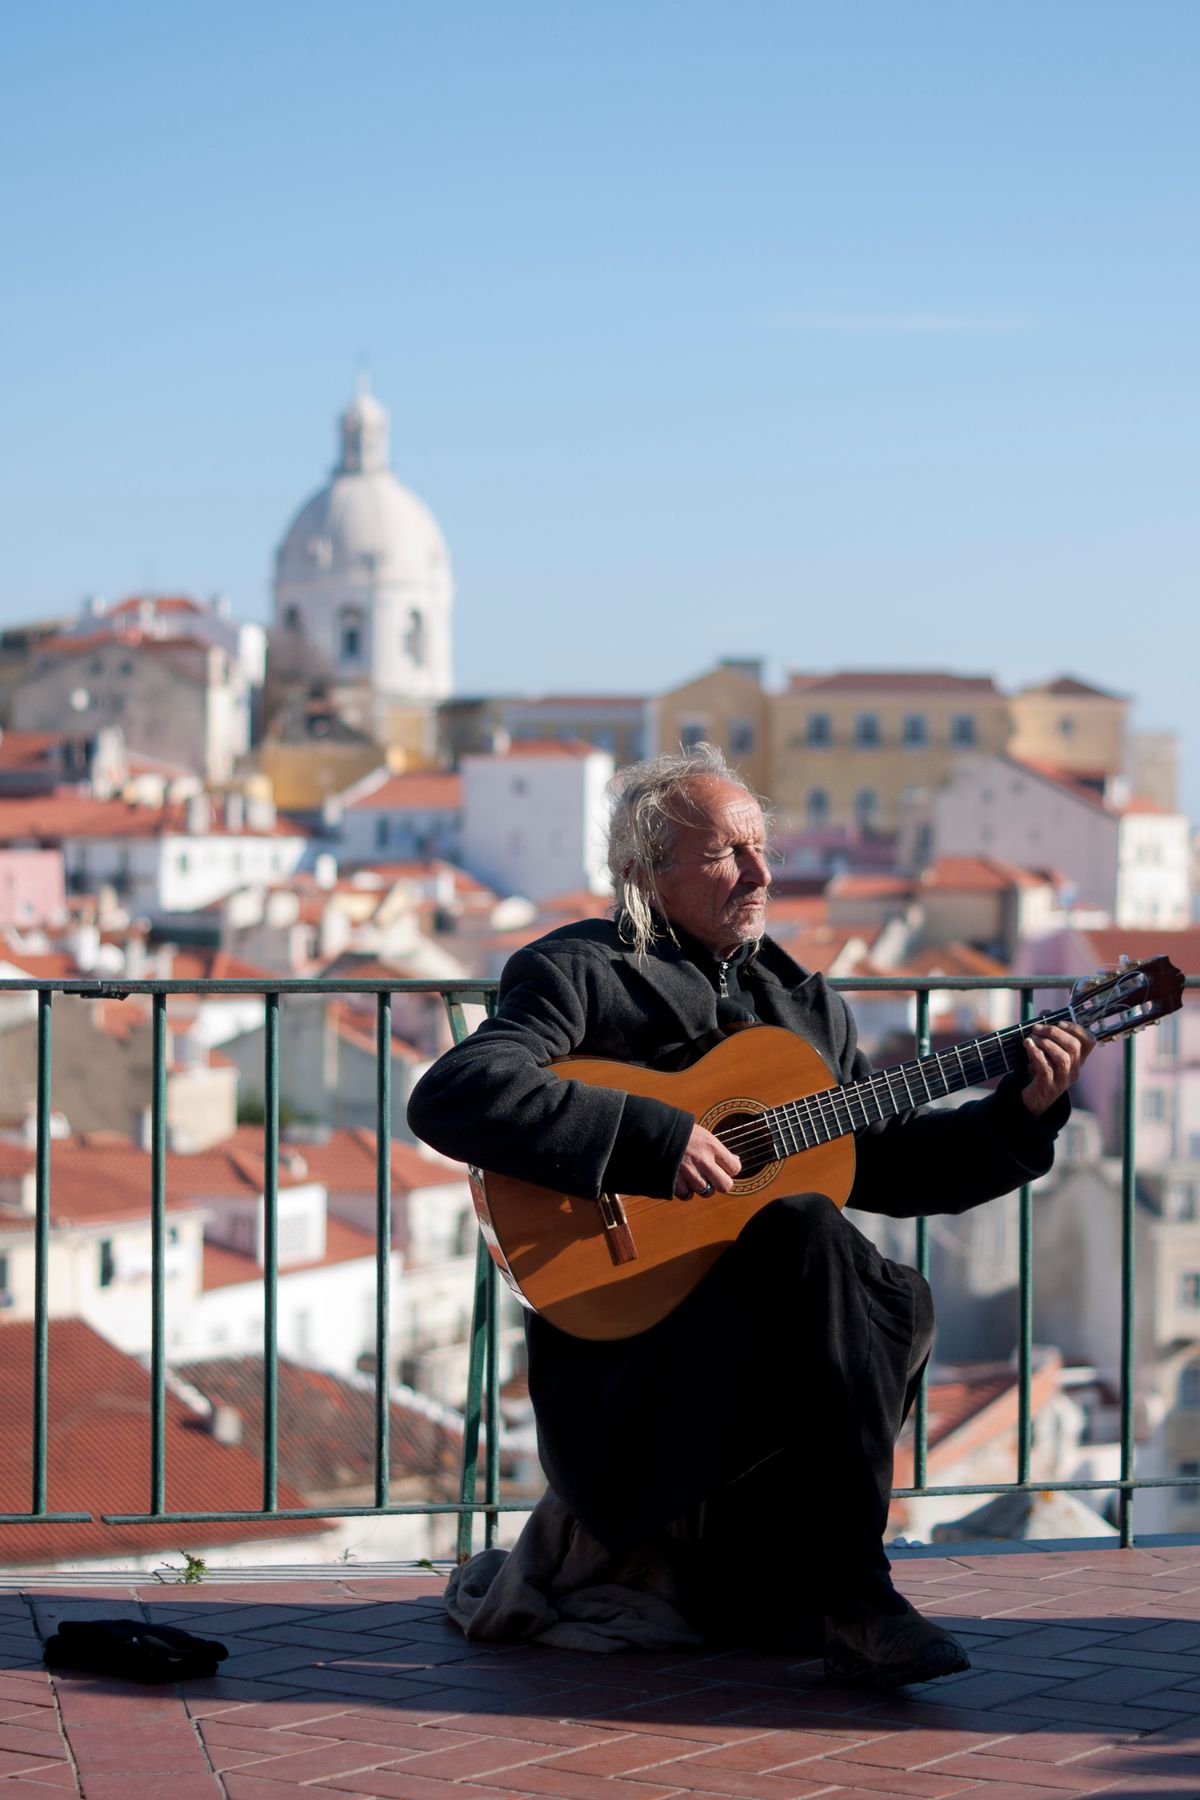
<point x="755" y="871"/>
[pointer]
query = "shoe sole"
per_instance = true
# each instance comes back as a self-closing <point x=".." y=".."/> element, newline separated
<point x="936" y="1661"/>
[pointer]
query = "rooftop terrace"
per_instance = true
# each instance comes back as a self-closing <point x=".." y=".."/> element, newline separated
<point x="1085" y="1680"/>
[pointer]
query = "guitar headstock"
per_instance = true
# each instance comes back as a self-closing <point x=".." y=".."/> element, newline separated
<point x="1127" y="997"/>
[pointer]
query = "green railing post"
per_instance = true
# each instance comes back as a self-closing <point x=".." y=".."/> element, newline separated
<point x="1128" y="1216"/>
<point x="41" y="1252"/>
<point x="158" y="1205"/>
<point x="271" y="1255"/>
<point x="383" y="1249"/>
<point x="480" y="1363"/>
<point x="1025" y="1308"/>
<point x="921" y="1407"/>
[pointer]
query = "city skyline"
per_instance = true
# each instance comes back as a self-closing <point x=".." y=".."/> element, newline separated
<point x="846" y="342"/>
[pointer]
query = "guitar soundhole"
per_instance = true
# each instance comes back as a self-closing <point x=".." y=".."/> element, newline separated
<point x="749" y="1138"/>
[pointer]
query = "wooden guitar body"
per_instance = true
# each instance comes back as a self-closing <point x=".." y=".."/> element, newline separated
<point x="554" y="1249"/>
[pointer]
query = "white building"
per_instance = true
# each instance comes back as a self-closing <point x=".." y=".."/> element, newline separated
<point x="161" y="861"/>
<point x="387" y="818"/>
<point x="1126" y="859"/>
<point x="363" y="582"/>
<point x="534" y="819"/>
<point x="178" y="678"/>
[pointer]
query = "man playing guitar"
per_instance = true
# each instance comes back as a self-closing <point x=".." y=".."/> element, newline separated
<point x="773" y="1393"/>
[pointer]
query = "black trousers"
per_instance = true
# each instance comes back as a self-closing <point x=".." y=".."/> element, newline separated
<point x="773" y="1395"/>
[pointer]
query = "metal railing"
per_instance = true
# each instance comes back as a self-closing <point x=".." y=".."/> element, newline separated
<point x="482" y="1412"/>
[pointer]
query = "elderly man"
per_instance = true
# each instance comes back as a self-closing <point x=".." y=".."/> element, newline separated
<point x="773" y="1394"/>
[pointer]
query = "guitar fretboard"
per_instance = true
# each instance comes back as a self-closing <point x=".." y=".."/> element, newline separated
<point x="835" y="1112"/>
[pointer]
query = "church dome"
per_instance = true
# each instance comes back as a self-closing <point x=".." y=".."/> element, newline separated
<point x="364" y="523"/>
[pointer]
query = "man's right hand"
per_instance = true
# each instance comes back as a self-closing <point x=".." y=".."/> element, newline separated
<point x="706" y="1167"/>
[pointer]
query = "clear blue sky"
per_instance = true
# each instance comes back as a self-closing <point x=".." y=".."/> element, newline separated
<point x="844" y="334"/>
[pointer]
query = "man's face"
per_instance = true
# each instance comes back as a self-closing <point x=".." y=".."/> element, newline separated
<point x="716" y="888"/>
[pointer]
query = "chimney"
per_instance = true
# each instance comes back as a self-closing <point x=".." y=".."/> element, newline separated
<point x="199" y="815"/>
<point x="325" y="870"/>
<point x="226" y="1425"/>
<point x="235" y="811"/>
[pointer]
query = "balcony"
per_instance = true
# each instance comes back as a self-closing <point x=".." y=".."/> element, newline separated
<point x="347" y="1678"/>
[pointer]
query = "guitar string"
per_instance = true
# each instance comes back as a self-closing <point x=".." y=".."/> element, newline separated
<point x="830" y="1113"/>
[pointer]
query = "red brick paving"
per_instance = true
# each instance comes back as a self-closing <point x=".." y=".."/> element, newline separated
<point x="1085" y="1680"/>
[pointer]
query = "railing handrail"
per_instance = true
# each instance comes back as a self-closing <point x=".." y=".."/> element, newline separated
<point x="455" y="992"/>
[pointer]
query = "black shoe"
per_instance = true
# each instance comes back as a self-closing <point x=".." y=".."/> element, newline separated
<point x="873" y="1648"/>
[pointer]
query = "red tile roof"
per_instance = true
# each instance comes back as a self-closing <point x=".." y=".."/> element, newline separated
<point x="103" y="1176"/>
<point x="28" y="749"/>
<point x="48" y="818"/>
<point x="327" y="1425"/>
<point x="979" y="874"/>
<point x="977" y="1405"/>
<point x="344" y="1242"/>
<point x="948" y="959"/>
<point x="1066" y="779"/>
<point x="54" y="965"/>
<point x="162" y="603"/>
<point x="203" y="963"/>
<point x="344" y="1163"/>
<point x="818" y="947"/>
<point x="356" y="1025"/>
<point x="121" y="632"/>
<point x="870" y="887"/>
<point x="415" y="792"/>
<point x="1067" y="687"/>
<point x="98" y="1455"/>
<point x="893" y="681"/>
<point x="521" y="748"/>
<point x="1183" y="947"/>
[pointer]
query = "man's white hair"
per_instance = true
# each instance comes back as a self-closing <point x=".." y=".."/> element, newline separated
<point x="649" y="801"/>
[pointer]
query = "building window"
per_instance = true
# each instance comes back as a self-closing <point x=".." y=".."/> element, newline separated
<point x="866" y="809"/>
<point x="741" y="737"/>
<point x="1182" y="1201"/>
<point x="1154" y="1105"/>
<point x="820" y="729"/>
<point x="1066" y="726"/>
<point x="1189" y="1385"/>
<point x="691" y="733"/>
<point x="291" y="619"/>
<point x="818" y="809"/>
<point x="414" y="639"/>
<point x="866" y="730"/>
<point x="962" y="728"/>
<point x="381" y="832"/>
<point x="1189" y="1290"/>
<point x="5" y="1296"/>
<point x="1188" y="1496"/>
<point x="350" y="634"/>
<point x="1166" y="1038"/>
<point x="916" y="730"/>
<point x="108" y="1263"/>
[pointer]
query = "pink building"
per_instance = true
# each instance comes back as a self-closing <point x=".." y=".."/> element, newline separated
<point x="32" y="890"/>
<point x="1167" y="1054"/>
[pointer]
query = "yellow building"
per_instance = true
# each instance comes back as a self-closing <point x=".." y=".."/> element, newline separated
<point x="1073" y="726"/>
<point x="727" y="706"/>
<point x="852" y="749"/>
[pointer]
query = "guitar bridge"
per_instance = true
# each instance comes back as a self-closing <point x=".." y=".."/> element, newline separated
<point x="617" y="1232"/>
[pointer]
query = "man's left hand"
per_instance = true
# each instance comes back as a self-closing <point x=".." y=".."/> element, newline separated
<point x="1056" y="1054"/>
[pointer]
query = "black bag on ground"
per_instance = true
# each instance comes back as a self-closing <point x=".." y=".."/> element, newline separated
<point x="133" y="1651"/>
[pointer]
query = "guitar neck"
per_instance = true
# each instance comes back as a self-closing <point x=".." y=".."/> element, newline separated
<point x="835" y="1112"/>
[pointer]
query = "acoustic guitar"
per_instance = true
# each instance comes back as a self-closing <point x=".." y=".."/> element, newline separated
<point x="612" y="1267"/>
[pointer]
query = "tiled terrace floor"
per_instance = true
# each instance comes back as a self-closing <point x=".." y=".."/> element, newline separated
<point x="1086" y="1680"/>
